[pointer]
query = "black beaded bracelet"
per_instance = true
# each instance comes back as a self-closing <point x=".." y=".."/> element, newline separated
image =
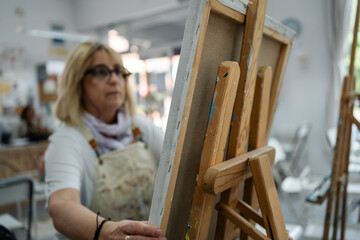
<point x="99" y="227"/>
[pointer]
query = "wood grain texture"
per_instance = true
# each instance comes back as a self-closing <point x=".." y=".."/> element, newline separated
<point x="277" y="36"/>
<point x="271" y="217"/>
<point x="260" y="111"/>
<point x="166" y="170"/>
<point x="276" y="83"/>
<point x="214" y="146"/>
<point x="354" y="42"/>
<point x="226" y="11"/>
<point x="258" y="129"/>
<point x="220" y="40"/>
<point x="349" y="122"/>
<point x="268" y="198"/>
<point x="246" y="210"/>
<point x="340" y="162"/>
<point x="238" y="140"/>
<point x="184" y="123"/>
<point x="248" y="64"/>
<point x="214" y="33"/>
<point x="337" y="161"/>
<point x="341" y="191"/>
<point x="225" y="175"/>
<point x="238" y="220"/>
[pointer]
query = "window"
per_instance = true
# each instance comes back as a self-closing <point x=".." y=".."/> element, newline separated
<point x="357" y="55"/>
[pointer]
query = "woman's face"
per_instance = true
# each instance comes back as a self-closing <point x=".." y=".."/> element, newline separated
<point x="104" y="89"/>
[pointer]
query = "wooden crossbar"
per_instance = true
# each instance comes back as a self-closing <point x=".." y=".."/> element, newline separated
<point x="271" y="216"/>
<point x="240" y="221"/>
<point x="246" y="210"/>
<point x="227" y="174"/>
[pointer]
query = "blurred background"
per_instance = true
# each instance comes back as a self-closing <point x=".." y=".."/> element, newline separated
<point x="36" y="36"/>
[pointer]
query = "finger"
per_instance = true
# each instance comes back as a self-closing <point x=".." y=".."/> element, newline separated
<point x="147" y="222"/>
<point x="137" y="237"/>
<point x="141" y="229"/>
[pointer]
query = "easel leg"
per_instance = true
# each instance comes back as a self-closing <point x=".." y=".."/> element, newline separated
<point x="258" y="129"/>
<point x="214" y="146"/>
<point x="243" y="104"/>
<point x="268" y="198"/>
<point x="347" y="150"/>
<point x="337" y="165"/>
<point x="336" y="214"/>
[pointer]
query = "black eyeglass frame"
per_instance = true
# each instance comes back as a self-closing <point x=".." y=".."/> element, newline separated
<point x="124" y="71"/>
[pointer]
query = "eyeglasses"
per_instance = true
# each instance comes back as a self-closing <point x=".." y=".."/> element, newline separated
<point x="102" y="73"/>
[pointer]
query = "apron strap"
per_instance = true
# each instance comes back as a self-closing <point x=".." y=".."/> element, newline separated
<point x="85" y="131"/>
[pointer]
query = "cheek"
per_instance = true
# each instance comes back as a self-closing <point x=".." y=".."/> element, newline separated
<point x="93" y="92"/>
<point x="123" y="89"/>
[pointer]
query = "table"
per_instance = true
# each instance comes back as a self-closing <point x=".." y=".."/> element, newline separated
<point x="20" y="159"/>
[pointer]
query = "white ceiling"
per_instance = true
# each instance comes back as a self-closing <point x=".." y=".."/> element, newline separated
<point x="160" y="22"/>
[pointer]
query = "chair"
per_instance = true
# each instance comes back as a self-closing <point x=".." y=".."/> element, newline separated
<point x="289" y="155"/>
<point x="331" y="137"/>
<point x="291" y="166"/>
<point x="279" y="157"/>
<point x="291" y="176"/>
<point x="18" y="189"/>
<point x="296" y="176"/>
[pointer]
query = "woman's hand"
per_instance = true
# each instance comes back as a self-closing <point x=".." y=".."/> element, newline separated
<point x="130" y="230"/>
<point x="77" y="222"/>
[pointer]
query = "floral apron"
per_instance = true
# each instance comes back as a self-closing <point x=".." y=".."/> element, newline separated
<point x="123" y="180"/>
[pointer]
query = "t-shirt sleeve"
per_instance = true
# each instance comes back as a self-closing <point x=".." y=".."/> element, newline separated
<point x="63" y="164"/>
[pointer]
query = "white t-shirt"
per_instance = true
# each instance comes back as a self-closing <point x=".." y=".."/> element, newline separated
<point x="70" y="160"/>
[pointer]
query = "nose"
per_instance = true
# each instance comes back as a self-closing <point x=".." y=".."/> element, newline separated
<point x="113" y="78"/>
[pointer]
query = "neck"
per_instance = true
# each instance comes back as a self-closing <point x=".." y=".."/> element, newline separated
<point x="105" y="115"/>
<point x="108" y="116"/>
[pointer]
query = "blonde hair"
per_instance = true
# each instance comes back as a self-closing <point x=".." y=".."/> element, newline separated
<point x="69" y="105"/>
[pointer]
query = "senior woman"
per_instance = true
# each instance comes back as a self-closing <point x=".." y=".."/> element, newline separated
<point x="101" y="162"/>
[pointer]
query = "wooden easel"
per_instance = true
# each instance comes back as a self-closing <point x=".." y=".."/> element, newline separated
<point x="172" y="214"/>
<point x="239" y="135"/>
<point x="258" y="159"/>
<point x="239" y="143"/>
<point x="251" y="165"/>
<point x="335" y="186"/>
<point x="339" y="174"/>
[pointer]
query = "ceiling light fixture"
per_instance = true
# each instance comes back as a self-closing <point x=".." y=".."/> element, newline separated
<point x="118" y="42"/>
<point x="72" y="37"/>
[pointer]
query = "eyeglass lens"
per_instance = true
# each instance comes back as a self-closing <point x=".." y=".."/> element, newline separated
<point x="102" y="73"/>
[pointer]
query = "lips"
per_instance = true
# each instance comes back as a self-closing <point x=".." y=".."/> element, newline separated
<point x="112" y="93"/>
